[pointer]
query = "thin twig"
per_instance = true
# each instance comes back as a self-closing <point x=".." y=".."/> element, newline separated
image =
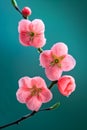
<point x="14" y="3"/>
<point x="29" y="115"/>
<point x="18" y="121"/>
<point x="52" y="83"/>
<point x="40" y="50"/>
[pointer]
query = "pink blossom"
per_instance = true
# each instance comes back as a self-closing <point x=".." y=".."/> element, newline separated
<point x="31" y="33"/>
<point x="56" y="60"/>
<point x="26" y="11"/>
<point x="66" y="85"/>
<point x="33" y="92"/>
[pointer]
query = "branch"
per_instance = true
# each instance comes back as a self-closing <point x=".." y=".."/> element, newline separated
<point x="52" y="83"/>
<point x="40" y="50"/>
<point x="15" y="5"/>
<point x="18" y="121"/>
<point x="30" y="115"/>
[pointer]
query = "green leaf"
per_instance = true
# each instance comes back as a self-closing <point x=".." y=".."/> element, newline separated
<point x="56" y="105"/>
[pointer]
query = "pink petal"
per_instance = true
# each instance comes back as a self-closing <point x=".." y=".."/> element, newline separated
<point x="23" y="26"/>
<point x="45" y="95"/>
<point x="22" y="95"/>
<point x="45" y="58"/>
<point x="24" y="39"/>
<point x="25" y="82"/>
<point x="68" y="63"/>
<point x="37" y="26"/>
<point x="34" y="104"/>
<point x="38" y="82"/>
<point x="53" y="73"/>
<point x="39" y="41"/>
<point x="59" y="49"/>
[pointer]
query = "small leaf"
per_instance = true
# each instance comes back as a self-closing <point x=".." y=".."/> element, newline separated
<point x="56" y="105"/>
<point x="14" y="3"/>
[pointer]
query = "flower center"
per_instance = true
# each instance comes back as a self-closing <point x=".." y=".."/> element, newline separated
<point x="31" y="34"/>
<point x="35" y="91"/>
<point x="56" y="60"/>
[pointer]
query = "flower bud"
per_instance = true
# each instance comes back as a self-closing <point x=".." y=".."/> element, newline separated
<point x="56" y="105"/>
<point x="26" y="11"/>
<point x="66" y="85"/>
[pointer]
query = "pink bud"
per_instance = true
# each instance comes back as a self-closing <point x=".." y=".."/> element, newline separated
<point x="26" y="11"/>
<point x="66" y="85"/>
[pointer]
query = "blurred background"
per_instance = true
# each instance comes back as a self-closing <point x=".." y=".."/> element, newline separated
<point x="65" y="21"/>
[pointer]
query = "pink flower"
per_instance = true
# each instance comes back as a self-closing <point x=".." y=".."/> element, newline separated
<point x="56" y="60"/>
<point x="33" y="92"/>
<point x="32" y="33"/>
<point x="66" y="85"/>
<point x="26" y="11"/>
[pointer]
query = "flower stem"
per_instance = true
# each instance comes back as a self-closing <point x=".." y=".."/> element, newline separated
<point x="14" y="3"/>
<point x="52" y="84"/>
<point x="40" y="50"/>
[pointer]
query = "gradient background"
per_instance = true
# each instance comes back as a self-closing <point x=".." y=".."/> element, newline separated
<point x="66" y="21"/>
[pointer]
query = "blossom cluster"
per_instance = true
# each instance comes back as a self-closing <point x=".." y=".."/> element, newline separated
<point x="34" y="91"/>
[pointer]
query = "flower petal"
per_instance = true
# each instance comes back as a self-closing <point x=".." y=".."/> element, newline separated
<point x="33" y="104"/>
<point x="39" y="41"/>
<point x="45" y="58"/>
<point x="53" y="73"/>
<point x="38" y="82"/>
<point x="25" y="82"/>
<point x="45" y="95"/>
<point x="23" y="25"/>
<point x="68" y="63"/>
<point x="22" y="95"/>
<point x="37" y="26"/>
<point x="59" y="49"/>
<point x="24" y="39"/>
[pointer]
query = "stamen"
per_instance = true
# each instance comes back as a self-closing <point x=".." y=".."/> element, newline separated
<point x="31" y="34"/>
<point x="52" y="63"/>
<point x="35" y="91"/>
<point x="56" y="61"/>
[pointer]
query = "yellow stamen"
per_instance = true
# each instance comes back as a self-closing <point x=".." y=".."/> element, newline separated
<point x="31" y="34"/>
<point x="35" y="91"/>
<point x="56" y="60"/>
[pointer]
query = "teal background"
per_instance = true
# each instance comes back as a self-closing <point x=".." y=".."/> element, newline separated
<point x="65" y="21"/>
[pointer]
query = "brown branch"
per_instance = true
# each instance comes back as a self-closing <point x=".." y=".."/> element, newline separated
<point x="52" y="83"/>
<point x="29" y="115"/>
<point x="32" y="113"/>
<point x="18" y="121"/>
